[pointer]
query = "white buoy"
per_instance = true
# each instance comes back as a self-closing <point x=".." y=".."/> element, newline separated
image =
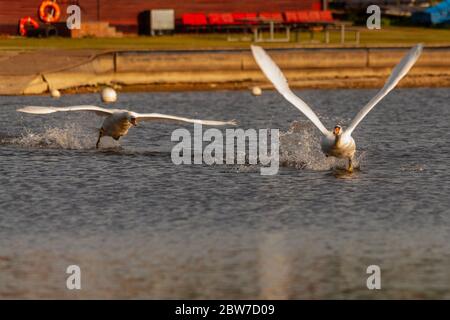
<point x="256" y="91"/>
<point x="109" y="95"/>
<point x="55" y="93"/>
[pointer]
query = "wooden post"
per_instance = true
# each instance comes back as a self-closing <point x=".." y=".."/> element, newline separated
<point x="271" y="30"/>
<point x="98" y="10"/>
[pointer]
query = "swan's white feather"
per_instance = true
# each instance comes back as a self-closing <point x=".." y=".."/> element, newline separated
<point x="274" y="74"/>
<point x="397" y="74"/>
<point x="165" y="117"/>
<point x="47" y="110"/>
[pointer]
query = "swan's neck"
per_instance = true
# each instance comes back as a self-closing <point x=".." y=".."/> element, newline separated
<point x="337" y="139"/>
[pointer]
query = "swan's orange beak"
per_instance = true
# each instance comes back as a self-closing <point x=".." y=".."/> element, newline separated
<point x="337" y="130"/>
<point x="133" y="121"/>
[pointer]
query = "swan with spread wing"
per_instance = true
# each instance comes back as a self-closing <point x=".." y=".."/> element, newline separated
<point x="338" y="143"/>
<point x="118" y="121"/>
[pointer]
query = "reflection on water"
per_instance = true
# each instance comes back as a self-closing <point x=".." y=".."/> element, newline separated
<point x="271" y="265"/>
<point x="141" y="227"/>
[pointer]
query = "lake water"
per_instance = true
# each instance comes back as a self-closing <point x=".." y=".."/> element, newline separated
<point x="140" y="227"/>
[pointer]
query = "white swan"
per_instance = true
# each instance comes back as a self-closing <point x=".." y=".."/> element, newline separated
<point x="338" y="143"/>
<point x="118" y="121"/>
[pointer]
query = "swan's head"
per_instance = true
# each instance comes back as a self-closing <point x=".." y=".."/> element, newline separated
<point x="337" y="131"/>
<point x="133" y="120"/>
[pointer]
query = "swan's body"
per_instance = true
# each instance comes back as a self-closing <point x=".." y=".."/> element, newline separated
<point x="117" y="122"/>
<point x="117" y="125"/>
<point x="337" y="143"/>
<point x="339" y="146"/>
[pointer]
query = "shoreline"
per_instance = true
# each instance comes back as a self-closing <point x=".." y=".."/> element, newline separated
<point x="419" y="82"/>
<point x="130" y="71"/>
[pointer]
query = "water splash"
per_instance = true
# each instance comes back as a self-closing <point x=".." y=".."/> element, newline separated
<point x="300" y="148"/>
<point x="71" y="137"/>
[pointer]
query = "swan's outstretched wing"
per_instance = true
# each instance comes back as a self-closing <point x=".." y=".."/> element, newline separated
<point x="46" y="110"/>
<point x="274" y="74"/>
<point x="165" y="117"/>
<point x="397" y="74"/>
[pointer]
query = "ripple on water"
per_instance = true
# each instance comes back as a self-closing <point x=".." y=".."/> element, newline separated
<point x="139" y="226"/>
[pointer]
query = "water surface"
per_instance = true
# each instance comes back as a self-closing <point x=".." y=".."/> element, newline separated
<point x="141" y="227"/>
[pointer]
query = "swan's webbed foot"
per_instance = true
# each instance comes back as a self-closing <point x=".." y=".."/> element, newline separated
<point x="350" y="165"/>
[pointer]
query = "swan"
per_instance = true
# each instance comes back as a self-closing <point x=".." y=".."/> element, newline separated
<point x="338" y="143"/>
<point x="119" y="121"/>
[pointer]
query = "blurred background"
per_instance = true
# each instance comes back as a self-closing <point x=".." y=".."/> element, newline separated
<point x="206" y="18"/>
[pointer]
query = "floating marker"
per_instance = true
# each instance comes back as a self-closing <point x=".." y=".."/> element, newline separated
<point x="55" y="93"/>
<point x="256" y="91"/>
<point x="109" y="95"/>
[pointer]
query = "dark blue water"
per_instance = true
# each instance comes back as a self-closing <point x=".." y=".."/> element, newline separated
<point x="141" y="227"/>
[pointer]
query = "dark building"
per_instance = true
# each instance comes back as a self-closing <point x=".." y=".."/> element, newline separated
<point x="123" y="14"/>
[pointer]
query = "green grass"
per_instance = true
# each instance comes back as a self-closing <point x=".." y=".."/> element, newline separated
<point x="393" y="35"/>
<point x="385" y="36"/>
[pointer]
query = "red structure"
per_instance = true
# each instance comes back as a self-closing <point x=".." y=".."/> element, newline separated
<point x="23" y="22"/>
<point x="123" y="14"/>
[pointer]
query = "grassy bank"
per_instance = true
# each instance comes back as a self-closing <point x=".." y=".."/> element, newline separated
<point x="385" y="36"/>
